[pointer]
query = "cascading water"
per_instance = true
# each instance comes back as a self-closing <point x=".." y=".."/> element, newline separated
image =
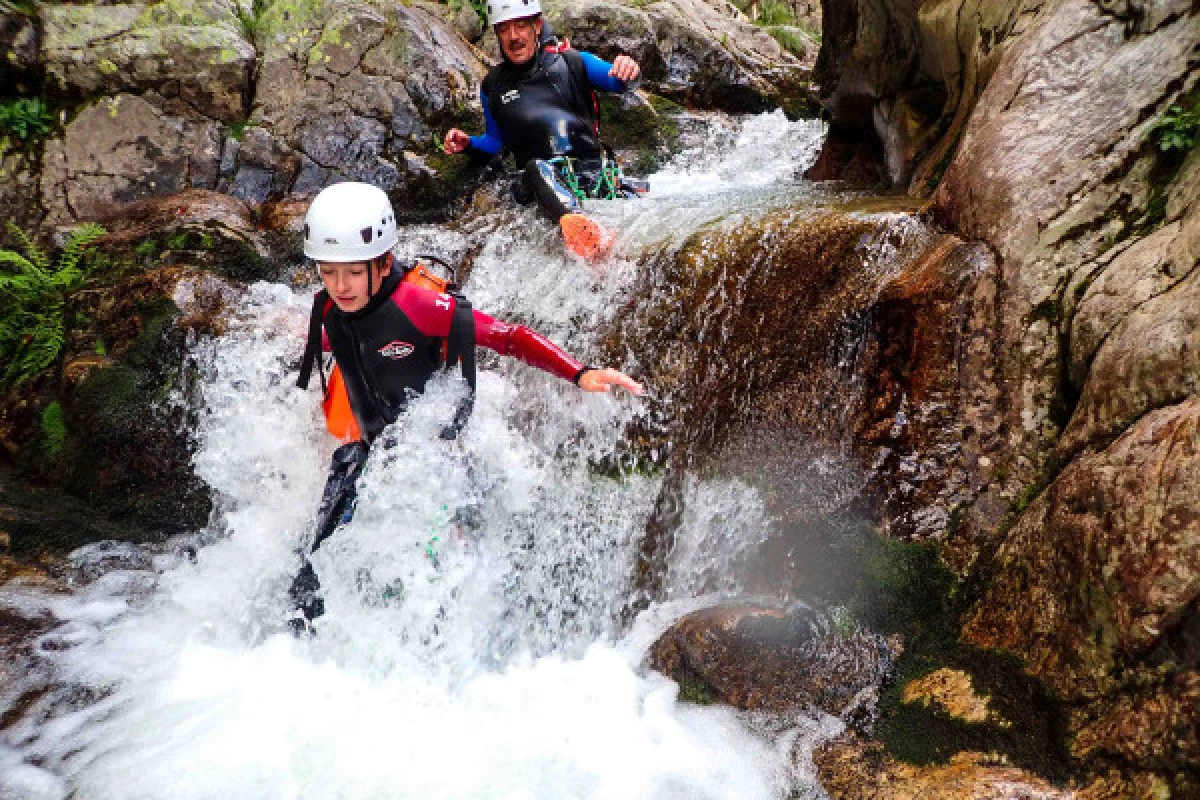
<point x="454" y="661"/>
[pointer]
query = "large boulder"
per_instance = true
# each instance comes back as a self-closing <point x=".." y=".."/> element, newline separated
<point x="354" y="91"/>
<point x="692" y="51"/>
<point x="768" y="659"/>
<point x="194" y="50"/>
<point x="1097" y="589"/>
<point x="124" y="148"/>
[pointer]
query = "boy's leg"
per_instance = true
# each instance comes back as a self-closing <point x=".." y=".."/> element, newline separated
<point x="336" y="508"/>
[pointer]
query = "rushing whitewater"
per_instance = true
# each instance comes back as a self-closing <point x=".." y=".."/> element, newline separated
<point x="454" y="661"/>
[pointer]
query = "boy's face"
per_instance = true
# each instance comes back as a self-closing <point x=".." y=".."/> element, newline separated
<point x="346" y="282"/>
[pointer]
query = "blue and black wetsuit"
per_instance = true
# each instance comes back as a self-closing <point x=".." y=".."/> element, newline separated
<point x="544" y="110"/>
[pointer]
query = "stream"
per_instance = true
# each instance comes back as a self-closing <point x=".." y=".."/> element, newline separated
<point x="491" y="660"/>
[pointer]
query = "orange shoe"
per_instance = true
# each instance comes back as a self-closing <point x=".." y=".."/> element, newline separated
<point x="585" y="237"/>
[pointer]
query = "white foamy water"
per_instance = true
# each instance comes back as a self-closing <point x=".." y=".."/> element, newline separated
<point x="451" y="662"/>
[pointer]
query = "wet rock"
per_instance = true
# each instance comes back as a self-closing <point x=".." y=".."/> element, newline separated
<point x="951" y="691"/>
<point x="693" y="52"/>
<point x="344" y="91"/>
<point x="1105" y="563"/>
<point x="125" y="148"/>
<point x="19" y="187"/>
<point x="760" y="658"/>
<point x="197" y="228"/>
<point x="190" y="49"/>
<point x="19" y="40"/>
<point x="1154" y="727"/>
<point x="41" y="520"/>
<point x="852" y="769"/>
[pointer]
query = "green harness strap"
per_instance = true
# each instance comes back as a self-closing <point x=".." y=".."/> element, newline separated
<point x="607" y="183"/>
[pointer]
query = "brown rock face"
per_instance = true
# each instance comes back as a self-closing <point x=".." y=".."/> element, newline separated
<point x="901" y="78"/>
<point x="1105" y="562"/>
<point x="759" y="658"/>
<point x="851" y="769"/>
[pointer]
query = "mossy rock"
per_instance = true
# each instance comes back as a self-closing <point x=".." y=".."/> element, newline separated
<point x="644" y="127"/>
<point x="128" y="447"/>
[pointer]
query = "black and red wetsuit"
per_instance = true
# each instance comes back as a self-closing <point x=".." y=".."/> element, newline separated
<point x="388" y="350"/>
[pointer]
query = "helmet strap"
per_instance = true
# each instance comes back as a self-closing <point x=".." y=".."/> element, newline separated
<point x="381" y="263"/>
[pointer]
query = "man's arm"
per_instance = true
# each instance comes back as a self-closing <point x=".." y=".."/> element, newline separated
<point x="489" y="142"/>
<point x="621" y="75"/>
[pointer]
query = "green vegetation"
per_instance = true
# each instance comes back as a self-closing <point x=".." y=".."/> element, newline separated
<point x="1178" y="130"/>
<point x="478" y="6"/>
<point x="26" y="7"/>
<point x="251" y="18"/>
<point x="694" y="689"/>
<point x="33" y="297"/>
<point x="26" y="118"/>
<point x="775" y="13"/>
<point x="789" y="39"/>
<point x="54" y="428"/>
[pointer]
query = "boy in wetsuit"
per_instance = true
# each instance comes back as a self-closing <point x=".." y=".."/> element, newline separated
<point x="387" y="336"/>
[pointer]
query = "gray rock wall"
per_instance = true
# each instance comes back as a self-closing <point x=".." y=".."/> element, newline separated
<point x="263" y="100"/>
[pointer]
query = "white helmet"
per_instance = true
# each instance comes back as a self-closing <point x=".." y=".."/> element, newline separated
<point x="504" y="10"/>
<point x="349" y="222"/>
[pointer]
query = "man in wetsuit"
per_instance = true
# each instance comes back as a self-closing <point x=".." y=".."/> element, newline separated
<point x="389" y="336"/>
<point x="539" y="103"/>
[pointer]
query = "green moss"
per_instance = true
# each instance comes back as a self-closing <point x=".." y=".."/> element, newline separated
<point x="146" y="249"/>
<point x="1027" y="729"/>
<point x="1050" y="310"/>
<point x="694" y="689"/>
<point x="790" y="38"/>
<point x="295" y="19"/>
<point x="652" y="132"/>
<point x="905" y="588"/>
<point x="54" y="429"/>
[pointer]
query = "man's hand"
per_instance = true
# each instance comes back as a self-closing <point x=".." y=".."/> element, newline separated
<point x="625" y="69"/>
<point x="602" y="380"/>
<point x="456" y="141"/>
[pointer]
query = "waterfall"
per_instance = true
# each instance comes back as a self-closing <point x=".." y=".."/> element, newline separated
<point x="483" y="660"/>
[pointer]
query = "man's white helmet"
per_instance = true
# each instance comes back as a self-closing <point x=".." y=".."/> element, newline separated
<point x="349" y="222"/>
<point x="504" y="10"/>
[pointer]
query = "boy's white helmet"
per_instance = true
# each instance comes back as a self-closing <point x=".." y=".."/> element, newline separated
<point x="503" y="10"/>
<point x="349" y="222"/>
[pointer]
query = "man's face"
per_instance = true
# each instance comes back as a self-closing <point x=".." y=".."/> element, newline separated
<point x="347" y="282"/>
<point x="519" y="38"/>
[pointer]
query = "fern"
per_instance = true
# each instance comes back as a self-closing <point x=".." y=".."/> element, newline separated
<point x="33" y="298"/>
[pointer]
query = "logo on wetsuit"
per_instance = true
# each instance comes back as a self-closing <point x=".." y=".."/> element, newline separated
<point x="396" y="350"/>
<point x="509" y="96"/>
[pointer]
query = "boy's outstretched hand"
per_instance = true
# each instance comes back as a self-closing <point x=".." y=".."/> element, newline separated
<point x="602" y="380"/>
